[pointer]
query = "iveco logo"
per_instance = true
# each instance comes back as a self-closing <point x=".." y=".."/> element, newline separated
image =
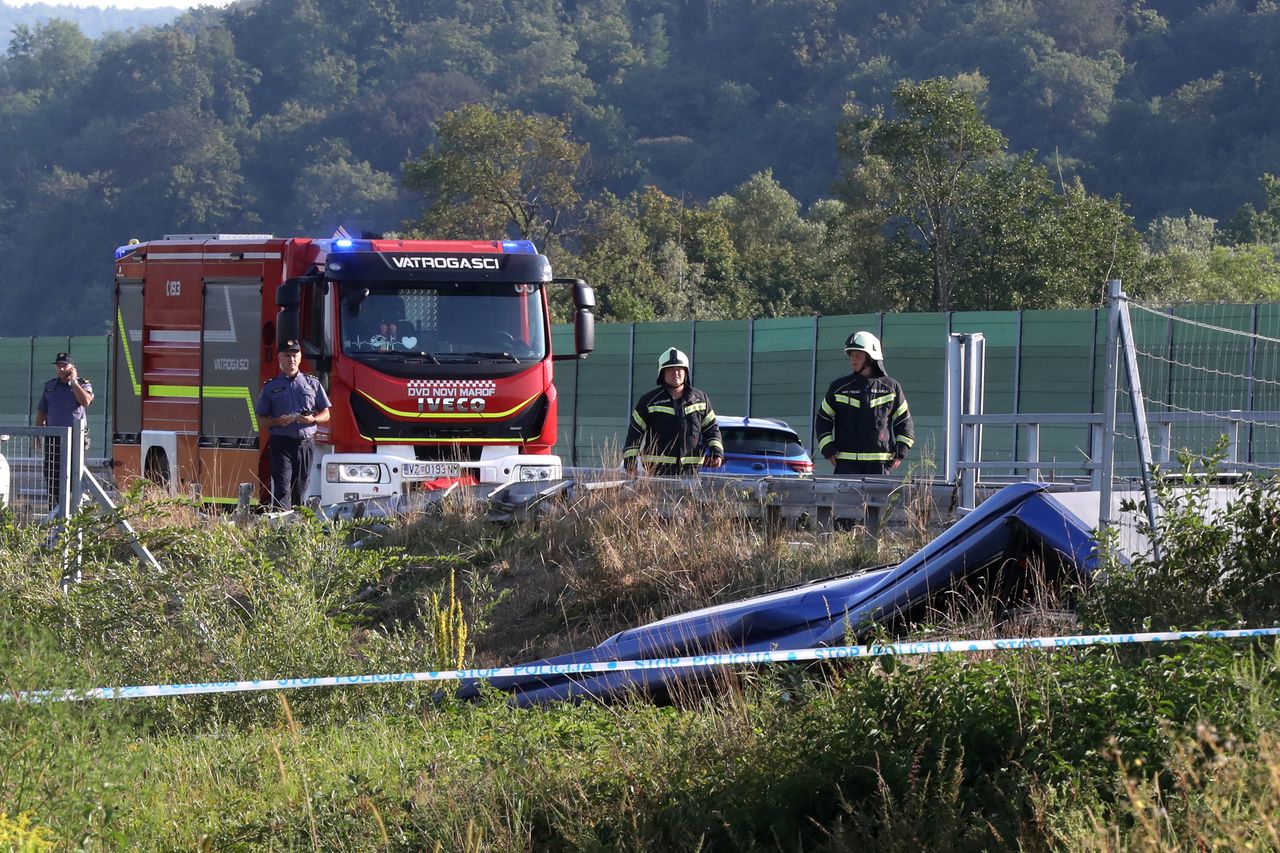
<point x="422" y="262"/>
<point x="451" y="404"/>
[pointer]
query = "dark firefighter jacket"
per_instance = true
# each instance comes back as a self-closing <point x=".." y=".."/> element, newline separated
<point x="864" y="420"/>
<point x="670" y="434"/>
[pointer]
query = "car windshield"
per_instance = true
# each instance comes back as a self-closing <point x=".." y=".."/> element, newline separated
<point x="447" y="321"/>
<point x="760" y="441"/>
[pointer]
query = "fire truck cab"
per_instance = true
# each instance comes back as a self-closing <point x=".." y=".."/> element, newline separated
<point x="436" y="356"/>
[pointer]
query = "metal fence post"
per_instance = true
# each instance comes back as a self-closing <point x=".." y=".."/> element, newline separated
<point x="813" y="390"/>
<point x="631" y="367"/>
<point x="972" y="370"/>
<point x="1033" y="451"/>
<point x="1017" y="387"/>
<point x="31" y="378"/>
<point x="573" y="442"/>
<point x="1107" y="461"/>
<point x="951" y="411"/>
<point x="76" y="494"/>
<point x="1252" y="372"/>
<point x="64" y="436"/>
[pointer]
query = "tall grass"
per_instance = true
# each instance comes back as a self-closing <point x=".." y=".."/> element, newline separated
<point x="1169" y="747"/>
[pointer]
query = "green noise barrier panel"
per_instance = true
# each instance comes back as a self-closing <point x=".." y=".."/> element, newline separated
<point x="1036" y="362"/>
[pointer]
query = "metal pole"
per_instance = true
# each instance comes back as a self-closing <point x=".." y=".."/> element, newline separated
<point x="751" y="358"/>
<point x="1253" y="366"/>
<point x="693" y="341"/>
<point x="951" y="411"/>
<point x="1093" y="377"/>
<point x="813" y="388"/>
<point x="1095" y="457"/>
<point x="1033" y="450"/>
<point x="1017" y="383"/>
<point x="31" y="379"/>
<point x="971" y="403"/>
<point x="65" y="436"/>
<point x="977" y="361"/>
<point x="77" y="464"/>
<point x="1114" y="295"/>
<point x="631" y="369"/>
<point x="573" y="441"/>
<point x="108" y="403"/>
<point x="1138" y="404"/>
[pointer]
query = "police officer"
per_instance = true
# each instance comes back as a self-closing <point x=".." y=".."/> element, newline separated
<point x="291" y="405"/>
<point x="673" y="427"/>
<point x="62" y="403"/>
<point x="864" y="424"/>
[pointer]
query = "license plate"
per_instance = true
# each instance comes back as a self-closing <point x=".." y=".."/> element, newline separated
<point x="430" y="470"/>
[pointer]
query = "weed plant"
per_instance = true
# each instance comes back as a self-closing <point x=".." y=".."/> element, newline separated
<point x="1220" y="557"/>
<point x="269" y="600"/>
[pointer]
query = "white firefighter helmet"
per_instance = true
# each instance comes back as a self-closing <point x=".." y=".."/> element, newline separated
<point x="866" y="342"/>
<point x="673" y="357"/>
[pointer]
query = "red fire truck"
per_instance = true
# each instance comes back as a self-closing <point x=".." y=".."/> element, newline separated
<point x="435" y="354"/>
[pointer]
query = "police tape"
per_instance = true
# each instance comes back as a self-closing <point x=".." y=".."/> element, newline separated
<point x="873" y="650"/>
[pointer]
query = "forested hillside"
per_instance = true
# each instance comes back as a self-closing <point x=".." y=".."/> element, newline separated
<point x="93" y="21"/>
<point x="714" y="157"/>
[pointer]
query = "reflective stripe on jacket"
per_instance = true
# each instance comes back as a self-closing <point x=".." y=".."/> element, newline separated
<point x="864" y="419"/>
<point x="669" y="431"/>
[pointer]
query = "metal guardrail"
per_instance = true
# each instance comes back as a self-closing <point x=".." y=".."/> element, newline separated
<point x="1229" y="421"/>
<point x="1233" y="423"/>
<point x="825" y="503"/>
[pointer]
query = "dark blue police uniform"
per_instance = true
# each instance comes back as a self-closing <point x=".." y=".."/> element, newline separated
<point x="292" y="446"/>
<point x="60" y="408"/>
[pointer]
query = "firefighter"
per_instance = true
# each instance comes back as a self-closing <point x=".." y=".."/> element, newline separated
<point x="864" y="424"/>
<point x="291" y="405"/>
<point x="673" y="428"/>
<point x="62" y="403"/>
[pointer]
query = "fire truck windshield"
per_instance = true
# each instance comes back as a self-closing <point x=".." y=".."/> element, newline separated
<point x="446" y="321"/>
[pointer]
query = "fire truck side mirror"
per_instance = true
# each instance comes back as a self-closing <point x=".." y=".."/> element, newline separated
<point x="584" y="322"/>
<point x="289" y="314"/>
<point x="584" y="332"/>
<point x="289" y="302"/>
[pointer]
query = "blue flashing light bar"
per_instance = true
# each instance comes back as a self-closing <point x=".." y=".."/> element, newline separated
<point x="519" y="247"/>
<point x="347" y="244"/>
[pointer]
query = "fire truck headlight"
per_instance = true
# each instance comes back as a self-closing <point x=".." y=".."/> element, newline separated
<point x="535" y="473"/>
<point x="347" y="472"/>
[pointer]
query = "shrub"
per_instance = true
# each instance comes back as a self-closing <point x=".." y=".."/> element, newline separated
<point x="1220" y="557"/>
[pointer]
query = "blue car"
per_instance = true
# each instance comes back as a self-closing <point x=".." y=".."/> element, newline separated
<point x="761" y="447"/>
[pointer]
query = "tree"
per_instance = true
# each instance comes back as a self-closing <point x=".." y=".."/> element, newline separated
<point x="52" y="56"/>
<point x="921" y="168"/>
<point x="1186" y="264"/>
<point x="1029" y="244"/>
<point x="776" y="247"/>
<point x="652" y="258"/>
<point x="497" y="174"/>
<point x="337" y="189"/>
<point x="1251" y="225"/>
